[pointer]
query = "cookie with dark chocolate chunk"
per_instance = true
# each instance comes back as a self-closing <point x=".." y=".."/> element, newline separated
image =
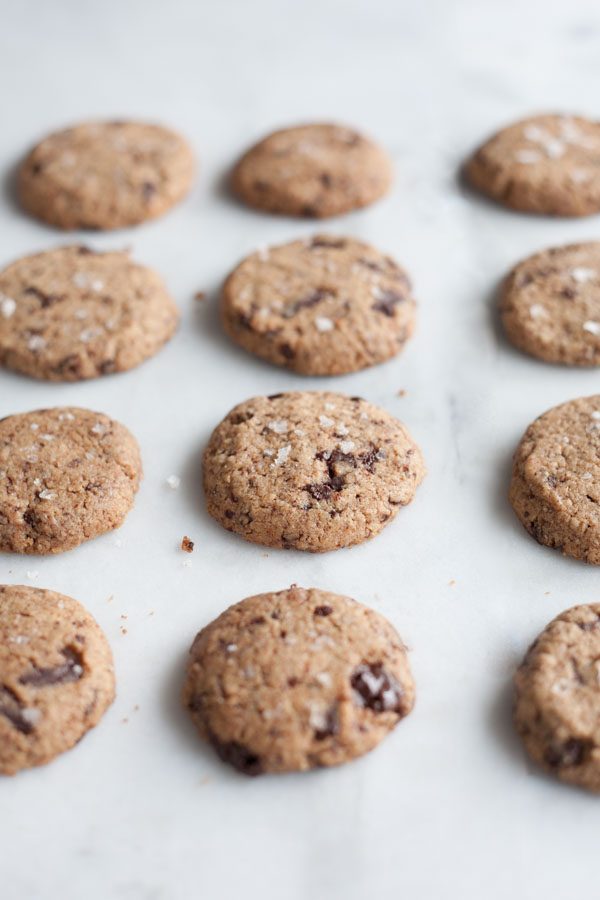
<point x="557" y="697"/>
<point x="292" y="680"/>
<point x="103" y="175"/>
<point x="315" y="171"/>
<point x="309" y="470"/>
<point x="56" y="675"/>
<point x="548" y="164"/>
<point x="70" y="314"/>
<point x="326" y="305"/>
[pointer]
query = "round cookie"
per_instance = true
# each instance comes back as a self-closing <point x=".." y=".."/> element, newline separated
<point x="547" y="164"/>
<point x="70" y="314"/>
<point x="555" y="487"/>
<point x="316" y="171"/>
<point x="557" y="697"/>
<point x="105" y="175"/>
<point x="56" y="676"/>
<point x="297" y="679"/>
<point x="550" y="305"/>
<point x="309" y="470"/>
<point x="66" y="476"/>
<point x="321" y="306"/>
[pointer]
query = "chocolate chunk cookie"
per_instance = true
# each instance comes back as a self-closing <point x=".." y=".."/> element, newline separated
<point x="66" y="476"/>
<point x="550" y="305"/>
<point x="312" y="170"/>
<point x="555" y="488"/>
<point x="295" y="680"/>
<point x="557" y="699"/>
<point x="70" y="314"/>
<point x="309" y="470"/>
<point x="56" y="676"/>
<point x="548" y="164"/>
<point x="322" y="306"/>
<point x="105" y="175"/>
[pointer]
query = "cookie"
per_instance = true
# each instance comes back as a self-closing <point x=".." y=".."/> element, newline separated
<point x="105" y="175"/>
<point x="550" y="305"/>
<point x="56" y="676"/>
<point x="557" y="697"/>
<point x="547" y="164"/>
<point x="555" y="488"/>
<point x="70" y="314"/>
<point x="316" y="171"/>
<point x="297" y="679"/>
<point x="321" y="306"/>
<point x="66" y="476"/>
<point x="309" y="470"/>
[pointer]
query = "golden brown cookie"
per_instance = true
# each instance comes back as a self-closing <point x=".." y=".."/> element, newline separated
<point x="321" y="306"/>
<point x="550" y="305"/>
<point x="297" y="679"/>
<point x="316" y="171"/>
<point x="547" y="164"/>
<point x="69" y="314"/>
<point x="56" y="675"/>
<point x="309" y="470"/>
<point x="557" y="697"/>
<point x="105" y="175"/>
<point x="66" y="476"/>
<point x="555" y="487"/>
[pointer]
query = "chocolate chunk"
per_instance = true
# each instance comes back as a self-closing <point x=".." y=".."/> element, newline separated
<point x="552" y="481"/>
<point x="71" y="670"/>
<point x="45" y="299"/>
<point x="83" y="250"/>
<point x="322" y="490"/>
<point x="568" y="293"/>
<point x="238" y="756"/>
<point x="369" y="458"/>
<point x="387" y="302"/>
<point x="377" y="689"/>
<point x="569" y="753"/>
<point x="312" y="299"/>
<point x="322" y="611"/>
<point x="148" y="190"/>
<point x="257" y="620"/>
<point x="13" y="710"/>
<point x="286" y="351"/>
<point x="589" y="626"/>
<point x="274" y="396"/>
<point x="326" y="180"/>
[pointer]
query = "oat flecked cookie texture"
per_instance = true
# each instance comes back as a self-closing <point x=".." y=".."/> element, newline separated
<point x="548" y="164"/>
<point x="315" y="171"/>
<point x="297" y="679"/>
<point x="105" y="175"/>
<point x="66" y="475"/>
<point x="56" y="675"/>
<point x="557" y="697"/>
<point x="309" y="470"/>
<point x="70" y="314"/>
<point x="555" y="487"/>
<point x="325" y="305"/>
<point x="550" y="305"/>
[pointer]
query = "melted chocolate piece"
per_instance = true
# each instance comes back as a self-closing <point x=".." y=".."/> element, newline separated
<point x="70" y="670"/>
<point x="322" y="610"/>
<point x="377" y="689"/>
<point x="13" y="710"/>
<point x="316" y="297"/>
<point x="387" y="302"/>
<point x="238" y="756"/>
<point x="570" y="753"/>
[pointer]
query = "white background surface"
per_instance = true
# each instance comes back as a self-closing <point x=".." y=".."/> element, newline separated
<point x="447" y="806"/>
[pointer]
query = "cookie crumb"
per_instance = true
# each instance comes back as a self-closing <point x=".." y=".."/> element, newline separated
<point x="402" y="393"/>
<point x="451" y="582"/>
<point x="187" y="545"/>
<point x="200" y="295"/>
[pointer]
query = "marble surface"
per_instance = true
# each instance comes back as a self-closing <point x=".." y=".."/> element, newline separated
<point x="448" y="805"/>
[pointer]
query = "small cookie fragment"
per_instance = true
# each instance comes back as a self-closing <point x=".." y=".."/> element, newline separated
<point x="550" y="305"/>
<point x="56" y="675"/>
<point x="66" y="475"/>
<point x="309" y="470"/>
<point x="548" y="164"/>
<point x="292" y="680"/>
<point x="315" y="171"/>
<point x="557" y="697"/>
<point x="105" y="175"/>
<point x="555" y="487"/>
<point x="70" y="314"/>
<point x="326" y="305"/>
<point x="187" y="545"/>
